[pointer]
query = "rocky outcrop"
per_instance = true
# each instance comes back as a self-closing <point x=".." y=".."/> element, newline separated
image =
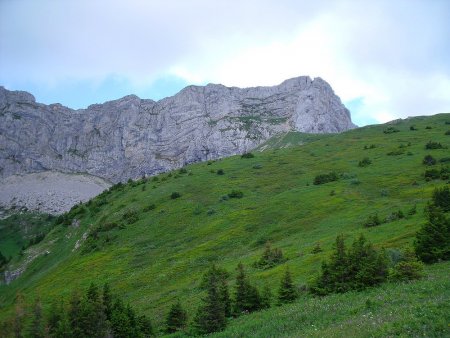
<point x="132" y="137"/>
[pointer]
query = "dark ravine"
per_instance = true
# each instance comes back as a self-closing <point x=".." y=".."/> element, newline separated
<point x="133" y="137"/>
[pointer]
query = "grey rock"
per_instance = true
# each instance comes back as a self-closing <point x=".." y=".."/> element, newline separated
<point x="133" y="137"/>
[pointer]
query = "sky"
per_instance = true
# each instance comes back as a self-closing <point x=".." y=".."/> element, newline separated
<point x="384" y="59"/>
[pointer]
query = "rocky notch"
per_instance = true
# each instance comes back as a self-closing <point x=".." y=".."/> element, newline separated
<point x="132" y="137"/>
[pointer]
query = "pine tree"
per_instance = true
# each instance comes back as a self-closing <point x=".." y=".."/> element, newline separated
<point x="176" y="318"/>
<point x="287" y="292"/>
<point x="247" y="298"/>
<point x="211" y="315"/>
<point x="433" y="239"/>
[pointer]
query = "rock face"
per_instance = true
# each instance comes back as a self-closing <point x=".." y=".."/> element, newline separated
<point x="132" y="137"/>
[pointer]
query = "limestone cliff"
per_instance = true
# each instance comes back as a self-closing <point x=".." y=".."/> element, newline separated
<point x="132" y="137"/>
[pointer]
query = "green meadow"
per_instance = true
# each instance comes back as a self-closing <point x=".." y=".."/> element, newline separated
<point x="153" y="249"/>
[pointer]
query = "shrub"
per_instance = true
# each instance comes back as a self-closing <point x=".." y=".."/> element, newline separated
<point x="130" y="216"/>
<point x="155" y="179"/>
<point x="408" y="268"/>
<point x="175" y="195"/>
<point x="247" y="155"/>
<point x="412" y="128"/>
<point x="396" y="215"/>
<point x="428" y="127"/>
<point x="149" y="207"/>
<point x="429" y="160"/>
<point x="364" y="162"/>
<point x="236" y="194"/>
<point x="444" y="160"/>
<point x="270" y="257"/>
<point x="326" y="178"/>
<point x="390" y="130"/>
<point x="372" y="220"/>
<point x="396" y="152"/>
<point x="220" y="172"/>
<point x="432" y="174"/>
<point x="433" y="145"/>
<point x="182" y="171"/>
<point x="447" y="132"/>
<point x="316" y="249"/>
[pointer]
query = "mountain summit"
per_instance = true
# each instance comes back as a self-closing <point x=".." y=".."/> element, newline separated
<point x="133" y="137"/>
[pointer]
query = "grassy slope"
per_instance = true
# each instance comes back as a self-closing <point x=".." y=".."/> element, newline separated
<point x="164" y="254"/>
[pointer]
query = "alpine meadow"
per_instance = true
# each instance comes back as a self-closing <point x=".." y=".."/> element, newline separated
<point x="308" y="235"/>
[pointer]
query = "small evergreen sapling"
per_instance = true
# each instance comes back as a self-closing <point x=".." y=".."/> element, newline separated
<point x="287" y="292"/>
<point x="176" y="318"/>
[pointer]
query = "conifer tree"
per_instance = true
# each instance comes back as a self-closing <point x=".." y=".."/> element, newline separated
<point x="145" y="326"/>
<point x="107" y="300"/>
<point x="287" y="292"/>
<point x="408" y="268"/>
<point x="433" y="239"/>
<point x="266" y="297"/>
<point x="247" y="298"/>
<point x="211" y="315"/>
<point x="176" y="318"/>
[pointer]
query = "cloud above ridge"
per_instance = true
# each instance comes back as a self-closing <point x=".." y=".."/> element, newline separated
<point x="392" y="57"/>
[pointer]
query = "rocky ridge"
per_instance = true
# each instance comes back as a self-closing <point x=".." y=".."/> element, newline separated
<point x="133" y="137"/>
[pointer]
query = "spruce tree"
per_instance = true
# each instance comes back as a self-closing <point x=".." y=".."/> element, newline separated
<point x="287" y="292"/>
<point x="211" y="315"/>
<point x="433" y="239"/>
<point x="266" y="297"/>
<point x="176" y="318"/>
<point x="145" y="326"/>
<point x="408" y="268"/>
<point x="107" y="301"/>
<point x="247" y="298"/>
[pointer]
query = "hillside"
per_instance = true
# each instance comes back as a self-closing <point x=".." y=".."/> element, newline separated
<point x="154" y="249"/>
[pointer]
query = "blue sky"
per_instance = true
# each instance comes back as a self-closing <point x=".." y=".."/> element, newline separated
<point x="385" y="59"/>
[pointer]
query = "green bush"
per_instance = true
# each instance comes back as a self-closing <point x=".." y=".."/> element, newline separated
<point x="236" y="194"/>
<point x="364" y="162"/>
<point x="220" y="172"/>
<point x="372" y="220"/>
<point x="182" y="171"/>
<point x="175" y="195"/>
<point x="390" y="130"/>
<point x="247" y="155"/>
<point x="325" y="178"/>
<point x="149" y="207"/>
<point x="396" y="152"/>
<point x="429" y="160"/>
<point x="447" y="132"/>
<point x="433" y="145"/>
<point x="130" y="216"/>
<point x="270" y="257"/>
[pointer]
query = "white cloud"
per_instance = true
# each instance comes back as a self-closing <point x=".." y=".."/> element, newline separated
<point x="392" y="54"/>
